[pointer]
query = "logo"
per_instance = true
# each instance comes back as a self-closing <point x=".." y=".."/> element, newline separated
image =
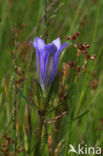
<point x="85" y="149"/>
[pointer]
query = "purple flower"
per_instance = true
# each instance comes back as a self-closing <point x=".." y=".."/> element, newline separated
<point x="47" y="59"/>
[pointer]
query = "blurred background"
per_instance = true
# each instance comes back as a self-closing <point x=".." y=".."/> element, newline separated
<point x="20" y="23"/>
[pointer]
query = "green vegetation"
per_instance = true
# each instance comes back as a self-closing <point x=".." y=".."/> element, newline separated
<point x="31" y="123"/>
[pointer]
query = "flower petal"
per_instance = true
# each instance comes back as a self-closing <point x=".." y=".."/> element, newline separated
<point x="49" y="49"/>
<point x="56" y="60"/>
<point x="57" y="43"/>
<point x="61" y="48"/>
<point x="47" y="59"/>
<point x="38" y="65"/>
<point x="37" y="59"/>
<point x="39" y="44"/>
<point x="49" y="69"/>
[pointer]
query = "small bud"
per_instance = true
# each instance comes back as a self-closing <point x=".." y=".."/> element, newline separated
<point x="84" y="67"/>
<point x="74" y="37"/>
<point x="71" y="64"/>
<point x="78" y="69"/>
<point x="8" y="138"/>
<point x="88" y="46"/>
<point x="93" y="57"/>
<point x="78" y="33"/>
<point x="87" y="57"/>
<point x="85" y="44"/>
<point x="69" y="37"/>
<point x="81" y="47"/>
<point x="75" y="45"/>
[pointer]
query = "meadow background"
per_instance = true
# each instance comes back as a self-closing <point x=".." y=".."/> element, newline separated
<point x="81" y="112"/>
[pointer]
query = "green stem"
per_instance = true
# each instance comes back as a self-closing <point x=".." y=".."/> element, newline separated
<point x="46" y="18"/>
<point x="42" y="111"/>
<point x="71" y="118"/>
<point x="37" y="149"/>
<point x="14" y="101"/>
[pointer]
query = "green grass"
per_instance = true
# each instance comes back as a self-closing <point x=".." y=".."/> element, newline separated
<point x="20" y="94"/>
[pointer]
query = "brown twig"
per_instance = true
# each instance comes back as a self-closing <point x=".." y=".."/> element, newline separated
<point x="54" y="12"/>
<point x="42" y="18"/>
<point x="53" y="120"/>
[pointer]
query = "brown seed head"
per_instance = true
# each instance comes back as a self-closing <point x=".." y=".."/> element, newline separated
<point x="93" y="57"/>
<point x="69" y="37"/>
